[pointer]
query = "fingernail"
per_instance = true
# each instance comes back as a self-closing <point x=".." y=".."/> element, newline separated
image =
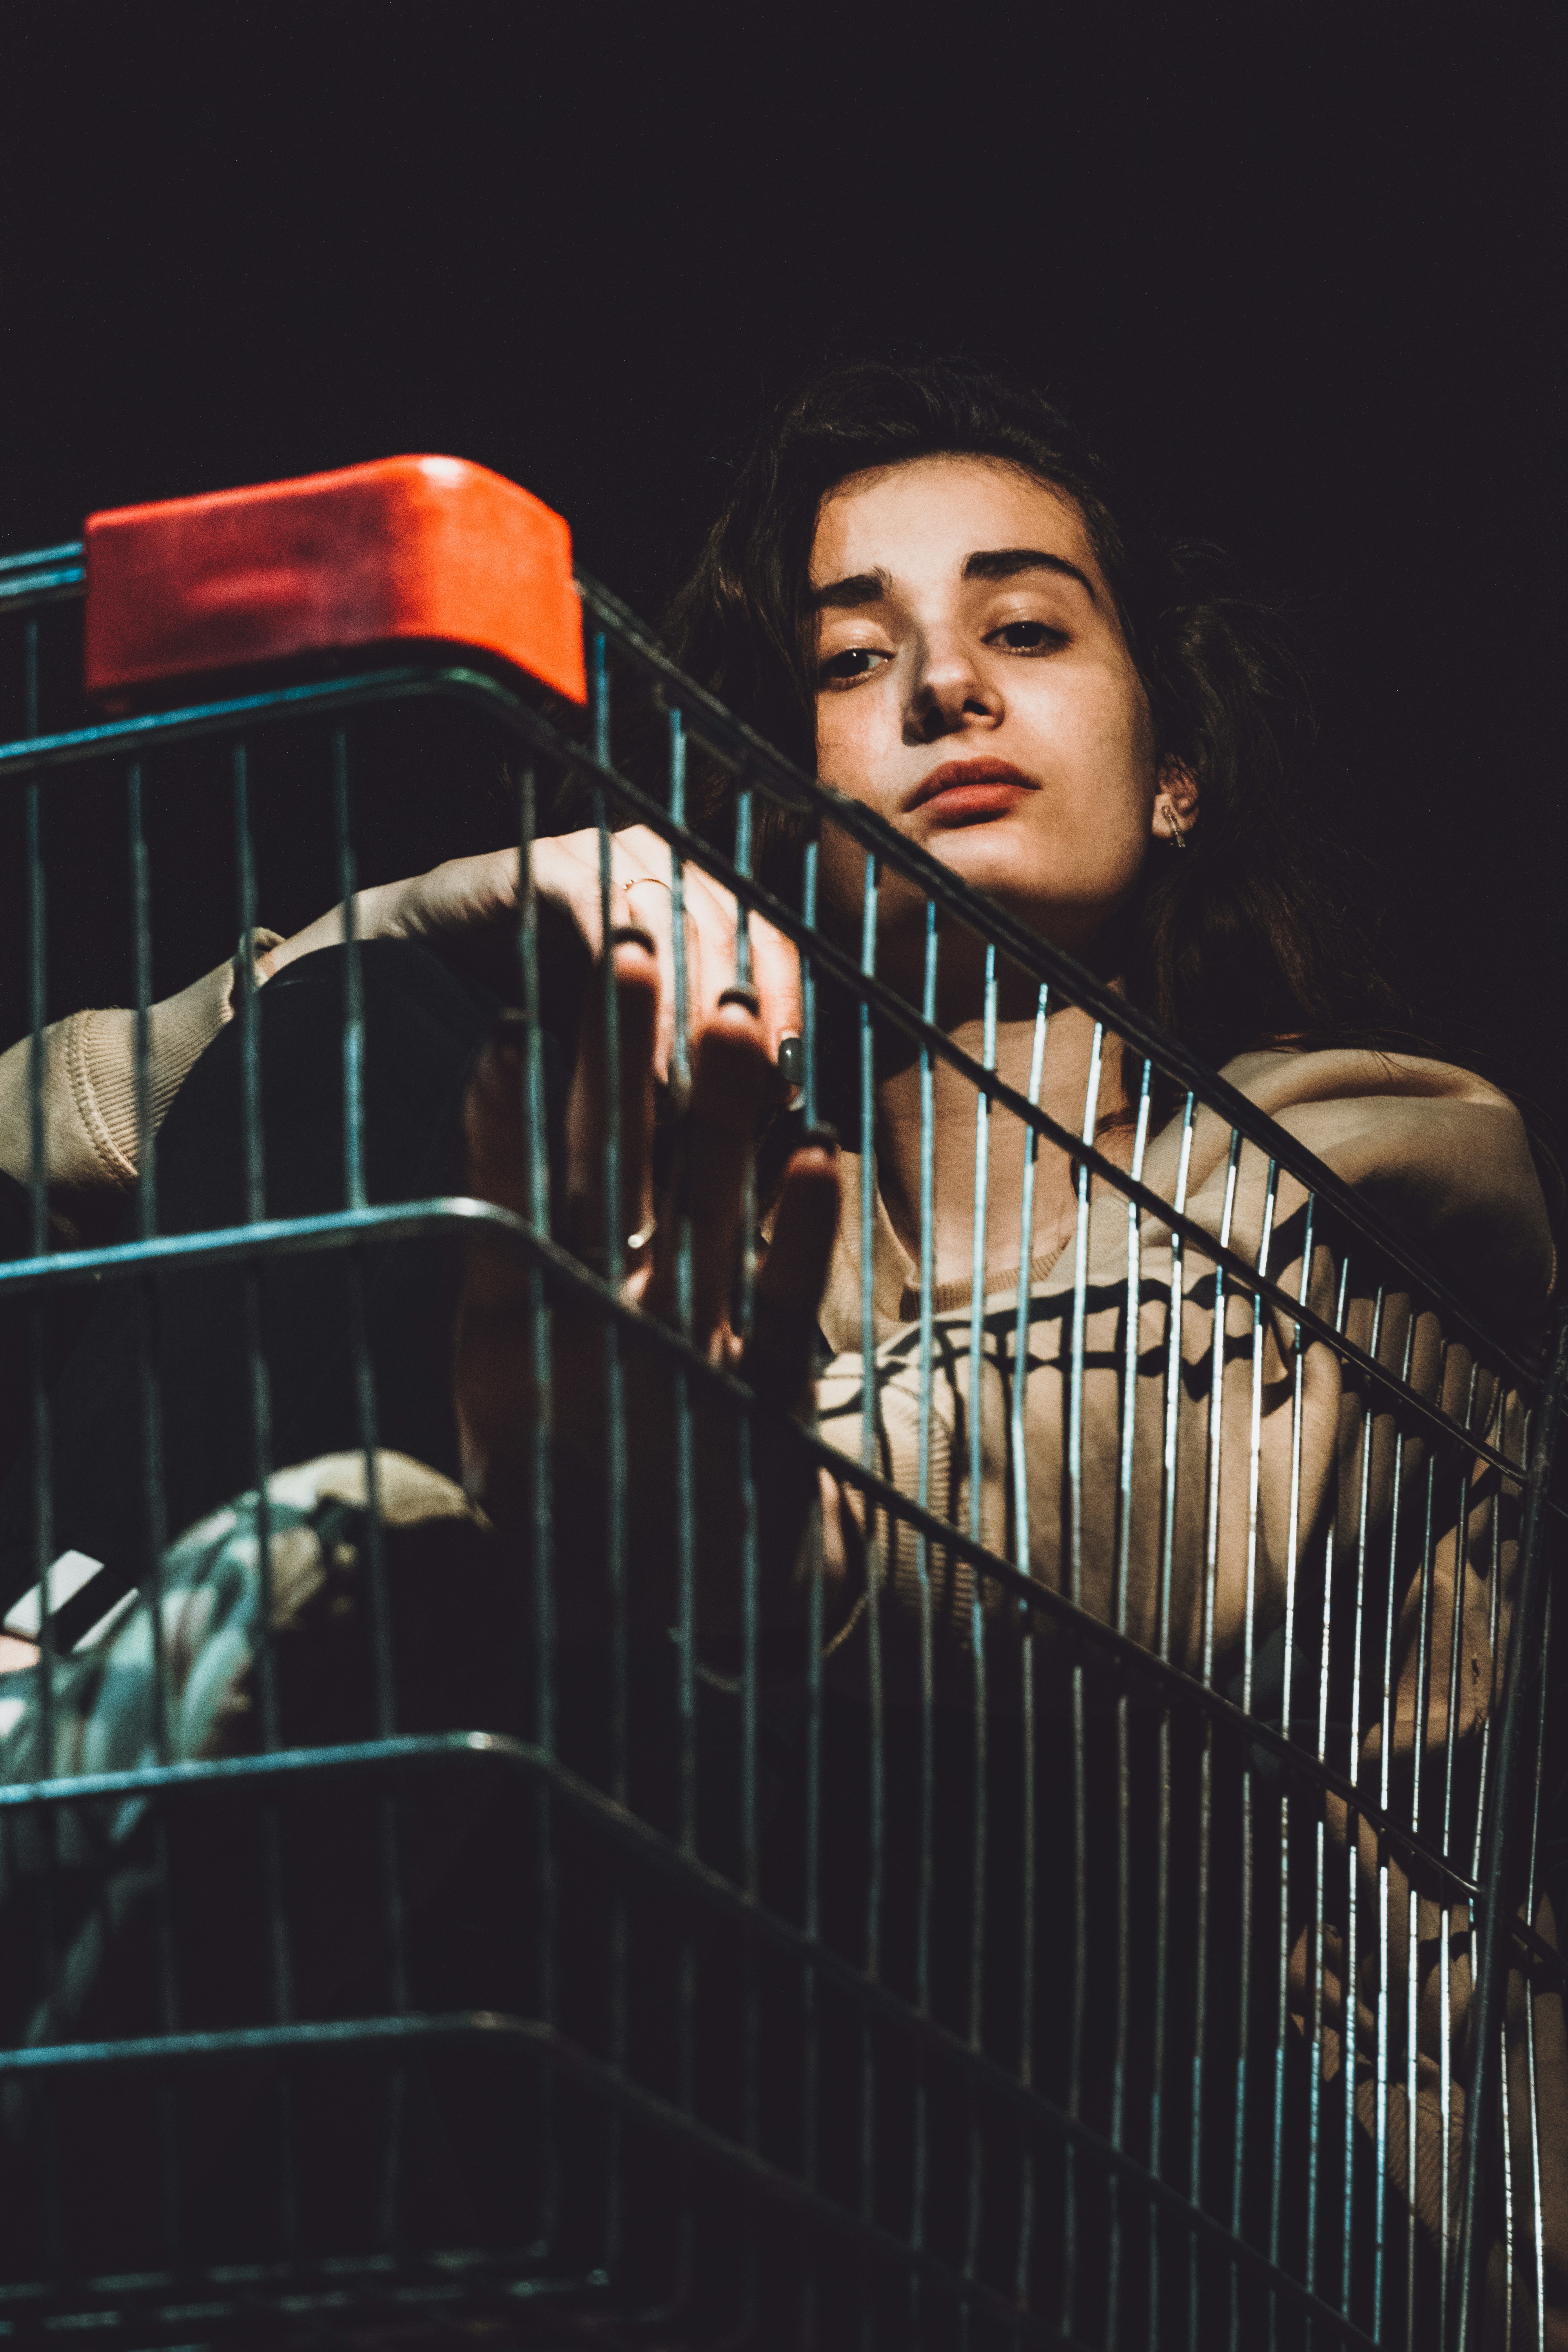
<point x="822" y="1137"/>
<point x="791" y="1060"/>
<point x="632" y="935"/>
<point x="740" y="996"/>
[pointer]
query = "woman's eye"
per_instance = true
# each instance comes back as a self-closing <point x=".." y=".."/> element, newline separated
<point x="1028" y="638"/>
<point x="850" y="666"/>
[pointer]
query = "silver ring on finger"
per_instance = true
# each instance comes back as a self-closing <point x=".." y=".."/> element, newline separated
<point x="596" y="1256"/>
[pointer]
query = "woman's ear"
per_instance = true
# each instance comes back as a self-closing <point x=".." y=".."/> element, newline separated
<point x="1175" y="802"/>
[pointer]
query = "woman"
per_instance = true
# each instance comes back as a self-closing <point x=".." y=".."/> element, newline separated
<point x="924" y="572"/>
<point x="923" y="585"/>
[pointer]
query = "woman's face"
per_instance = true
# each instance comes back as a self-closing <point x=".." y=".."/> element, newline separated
<point x="974" y="688"/>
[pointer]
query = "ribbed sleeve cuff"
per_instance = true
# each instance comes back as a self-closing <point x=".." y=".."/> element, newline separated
<point x="90" y="1123"/>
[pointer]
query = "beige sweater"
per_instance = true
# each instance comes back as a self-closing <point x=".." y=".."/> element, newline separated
<point x="1444" y="1154"/>
<point x="1289" y="1451"/>
<point x="89" y="1083"/>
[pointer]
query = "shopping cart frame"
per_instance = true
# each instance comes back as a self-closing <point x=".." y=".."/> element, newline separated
<point x="30" y="585"/>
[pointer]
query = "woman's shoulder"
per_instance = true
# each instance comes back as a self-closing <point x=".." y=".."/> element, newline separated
<point x="1441" y="1148"/>
<point x="1276" y="1078"/>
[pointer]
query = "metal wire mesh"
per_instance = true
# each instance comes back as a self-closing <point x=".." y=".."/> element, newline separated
<point x="1130" y="1926"/>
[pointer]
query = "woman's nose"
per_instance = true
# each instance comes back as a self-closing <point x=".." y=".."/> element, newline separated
<point x="949" y="692"/>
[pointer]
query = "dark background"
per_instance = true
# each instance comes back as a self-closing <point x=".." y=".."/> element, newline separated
<point x="1301" y="270"/>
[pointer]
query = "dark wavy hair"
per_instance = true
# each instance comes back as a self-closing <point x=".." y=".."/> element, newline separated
<point x="1247" y="938"/>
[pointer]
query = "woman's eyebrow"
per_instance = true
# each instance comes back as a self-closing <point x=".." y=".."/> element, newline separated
<point x="988" y="563"/>
<point x="860" y="588"/>
<point x="1004" y="563"/>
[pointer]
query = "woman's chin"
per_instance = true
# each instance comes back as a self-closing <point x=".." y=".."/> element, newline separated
<point x="993" y="859"/>
<point x="1027" y="881"/>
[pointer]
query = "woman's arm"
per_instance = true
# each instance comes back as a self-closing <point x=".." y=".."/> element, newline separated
<point x="470" y="906"/>
<point x="466" y="905"/>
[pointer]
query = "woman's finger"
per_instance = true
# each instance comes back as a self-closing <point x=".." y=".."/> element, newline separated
<point x="774" y="966"/>
<point x="642" y="893"/>
<point x="648" y="902"/>
<point x="776" y="973"/>
<point x="567" y="869"/>
<point x="788" y="1295"/>
<point x="492" y="1378"/>
<point x="609" y="1126"/>
<point x="493" y="1127"/>
<point x="733" y="1083"/>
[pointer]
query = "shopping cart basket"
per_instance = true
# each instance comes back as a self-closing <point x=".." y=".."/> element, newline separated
<point x="982" y="1982"/>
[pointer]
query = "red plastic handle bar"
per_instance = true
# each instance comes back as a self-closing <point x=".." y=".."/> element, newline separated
<point x="426" y="548"/>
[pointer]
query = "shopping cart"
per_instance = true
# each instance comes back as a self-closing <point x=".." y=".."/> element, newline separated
<point x="665" y="1997"/>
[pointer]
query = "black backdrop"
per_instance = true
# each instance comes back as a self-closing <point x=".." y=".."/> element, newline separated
<point x="1300" y="269"/>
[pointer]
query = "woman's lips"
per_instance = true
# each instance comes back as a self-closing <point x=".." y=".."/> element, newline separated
<point x="965" y="792"/>
<point x="964" y="803"/>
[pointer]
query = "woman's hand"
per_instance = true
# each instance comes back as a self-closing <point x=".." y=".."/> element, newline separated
<point x="733" y="1084"/>
<point x="474" y="901"/>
